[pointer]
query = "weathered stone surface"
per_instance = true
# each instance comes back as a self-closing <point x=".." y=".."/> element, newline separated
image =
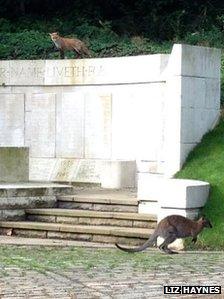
<point x="27" y="202"/>
<point x="29" y="233"/>
<point x="103" y="221"/>
<point x="7" y="215"/>
<point x="115" y="208"/>
<point x="74" y="205"/>
<point x="41" y="218"/>
<point x="71" y="236"/>
<point x="70" y="220"/>
<point x="14" y="164"/>
<point x="144" y="224"/>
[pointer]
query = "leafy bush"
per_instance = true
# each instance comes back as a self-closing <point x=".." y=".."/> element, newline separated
<point x="24" y="45"/>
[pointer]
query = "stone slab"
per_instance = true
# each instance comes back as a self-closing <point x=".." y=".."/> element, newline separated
<point x="194" y="61"/>
<point x="12" y="119"/>
<point x="184" y="194"/>
<point x="64" y="170"/>
<point x="41" y="125"/>
<point x="14" y="164"/>
<point x="70" y="129"/>
<point x="83" y="71"/>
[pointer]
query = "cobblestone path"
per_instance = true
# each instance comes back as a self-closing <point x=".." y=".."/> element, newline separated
<point x="122" y="282"/>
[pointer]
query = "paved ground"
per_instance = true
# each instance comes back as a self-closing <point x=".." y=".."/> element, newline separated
<point x="121" y="282"/>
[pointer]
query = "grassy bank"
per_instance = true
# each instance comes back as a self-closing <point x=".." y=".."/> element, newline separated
<point x="206" y="162"/>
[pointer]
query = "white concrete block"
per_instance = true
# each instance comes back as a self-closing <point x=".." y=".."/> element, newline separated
<point x="12" y="119"/>
<point x="195" y="61"/>
<point x="148" y="207"/>
<point x="193" y="92"/>
<point x="149" y="186"/>
<point x="118" y="174"/>
<point x="200" y="61"/>
<point x="183" y="194"/>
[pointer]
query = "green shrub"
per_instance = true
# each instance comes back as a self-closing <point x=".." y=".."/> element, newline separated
<point x="25" y="45"/>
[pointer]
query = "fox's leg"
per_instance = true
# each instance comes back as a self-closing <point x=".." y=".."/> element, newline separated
<point x="77" y="52"/>
<point x="62" y="54"/>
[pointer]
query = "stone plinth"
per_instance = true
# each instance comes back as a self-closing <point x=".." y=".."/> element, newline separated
<point x="182" y="197"/>
<point x="165" y="196"/>
<point x="14" y="164"/>
<point x="118" y="174"/>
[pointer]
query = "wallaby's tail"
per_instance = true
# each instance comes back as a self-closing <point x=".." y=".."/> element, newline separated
<point x="148" y="243"/>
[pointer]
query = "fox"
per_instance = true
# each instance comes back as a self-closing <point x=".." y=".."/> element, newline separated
<point x="171" y="228"/>
<point x="70" y="44"/>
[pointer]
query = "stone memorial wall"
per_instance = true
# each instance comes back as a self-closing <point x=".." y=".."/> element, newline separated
<point x="76" y="114"/>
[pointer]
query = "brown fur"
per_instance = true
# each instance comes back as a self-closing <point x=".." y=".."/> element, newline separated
<point x="171" y="228"/>
<point x="70" y="44"/>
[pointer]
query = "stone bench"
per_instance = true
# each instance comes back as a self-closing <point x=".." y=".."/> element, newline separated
<point x="182" y="197"/>
<point x="164" y="196"/>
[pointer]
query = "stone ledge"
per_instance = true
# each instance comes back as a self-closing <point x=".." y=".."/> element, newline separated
<point x="91" y="214"/>
<point x="99" y="230"/>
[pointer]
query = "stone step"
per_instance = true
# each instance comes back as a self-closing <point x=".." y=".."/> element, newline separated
<point x="91" y="217"/>
<point x="100" y="201"/>
<point x="102" y="234"/>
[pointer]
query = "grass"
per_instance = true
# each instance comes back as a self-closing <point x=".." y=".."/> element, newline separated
<point x="206" y="162"/>
<point x="44" y="259"/>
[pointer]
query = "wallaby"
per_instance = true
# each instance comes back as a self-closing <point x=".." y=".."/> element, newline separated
<point x="71" y="44"/>
<point x="171" y="228"/>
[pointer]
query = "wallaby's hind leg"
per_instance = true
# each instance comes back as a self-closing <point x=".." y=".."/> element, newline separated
<point x="164" y="246"/>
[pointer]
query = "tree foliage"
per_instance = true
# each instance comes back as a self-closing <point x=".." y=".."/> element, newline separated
<point x="109" y="27"/>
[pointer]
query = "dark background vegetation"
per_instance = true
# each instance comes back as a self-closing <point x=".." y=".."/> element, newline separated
<point x="109" y="27"/>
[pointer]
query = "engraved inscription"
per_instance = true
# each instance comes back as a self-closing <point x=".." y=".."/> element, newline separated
<point x="55" y="71"/>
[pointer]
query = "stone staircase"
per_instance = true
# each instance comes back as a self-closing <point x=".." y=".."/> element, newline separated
<point x="105" y="216"/>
